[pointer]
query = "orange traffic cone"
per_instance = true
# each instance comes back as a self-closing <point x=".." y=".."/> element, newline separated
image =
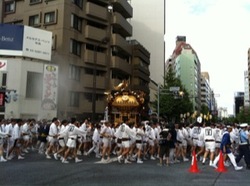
<point x="221" y="166"/>
<point x="194" y="166"/>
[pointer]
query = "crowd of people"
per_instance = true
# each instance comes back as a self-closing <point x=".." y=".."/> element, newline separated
<point x="129" y="142"/>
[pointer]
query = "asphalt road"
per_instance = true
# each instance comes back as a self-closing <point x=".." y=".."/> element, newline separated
<point x="36" y="170"/>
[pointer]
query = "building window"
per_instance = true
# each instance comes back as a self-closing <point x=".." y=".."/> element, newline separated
<point x="75" y="47"/>
<point x="74" y="99"/>
<point x="34" y="20"/>
<point x="9" y="7"/>
<point x="33" y="85"/>
<point x="35" y="1"/>
<point x="74" y="72"/>
<point x="78" y="3"/>
<point x="76" y="22"/>
<point x="4" y="80"/>
<point x="50" y="18"/>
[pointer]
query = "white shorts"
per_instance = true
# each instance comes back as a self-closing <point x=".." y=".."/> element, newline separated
<point x="61" y="142"/>
<point x="126" y="144"/>
<point x="217" y="144"/>
<point x="51" y="140"/>
<point x="132" y="141"/>
<point x="26" y="137"/>
<point x="210" y="146"/>
<point x="71" y="143"/>
<point x="183" y="143"/>
<point x="106" y="142"/>
<point x="195" y="142"/>
<point x="200" y="143"/>
<point x="139" y="144"/>
<point x="151" y="142"/>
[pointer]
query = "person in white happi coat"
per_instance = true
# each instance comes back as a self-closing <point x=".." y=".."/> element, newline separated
<point x="151" y="140"/>
<point x="3" y="135"/>
<point x="96" y="142"/>
<point x="10" y="141"/>
<point x="61" y="139"/>
<point x="25" y="132"/>
<point x="139" y="141"/>
<point x="52" y="137"/>
<point x="16" y="136"/>
<point x="107" y="136"/>
<point x="182" y="136"/>
<point x="83" y="140"/>
<point x="219" y="129"/>
<point x="209" y="139"/>
<point x="72" y="132"/>
<point x="126" y="133"/>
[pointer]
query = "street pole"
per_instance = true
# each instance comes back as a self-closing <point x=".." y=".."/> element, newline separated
<point x="94" y="86"/>
<point x="158" y="103"/>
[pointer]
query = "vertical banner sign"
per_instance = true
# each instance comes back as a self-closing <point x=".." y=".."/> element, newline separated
<point x="50" y="87"/>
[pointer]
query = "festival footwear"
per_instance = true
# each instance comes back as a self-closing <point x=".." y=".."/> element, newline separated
<point x="20" y="158"/>
<point x="77" y="160"/>
<point x="238" y="168"/>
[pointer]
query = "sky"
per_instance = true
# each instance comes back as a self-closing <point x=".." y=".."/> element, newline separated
<point x="219" y="32"/>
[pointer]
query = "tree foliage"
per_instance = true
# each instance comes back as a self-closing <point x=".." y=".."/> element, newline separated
<point x="172" y="104"/>
<point x="244" y="115"/>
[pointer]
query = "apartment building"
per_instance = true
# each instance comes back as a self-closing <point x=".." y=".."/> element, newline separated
<point x="205" y="90"/>
<point x="185" y="63"/>
<point x="90" y="46"/>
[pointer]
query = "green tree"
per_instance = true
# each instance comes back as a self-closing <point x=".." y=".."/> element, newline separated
<point x="244" y="115"/>
<point x="172" y="104"/>
<point x="204" y="109"/>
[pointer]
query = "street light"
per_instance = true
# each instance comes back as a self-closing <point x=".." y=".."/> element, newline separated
<point x="103" y="41"/>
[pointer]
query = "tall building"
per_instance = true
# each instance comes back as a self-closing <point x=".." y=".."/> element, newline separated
<point x="246" y="86"/>
<point x="247" y="78"/>
<point x="238" y="102"/>
<point x="186" y="65"/>
<point x="90" y="46"/>
<point x="148" y="27"/>
<point x="205" y="90"/>
<point x="222" y="113"/>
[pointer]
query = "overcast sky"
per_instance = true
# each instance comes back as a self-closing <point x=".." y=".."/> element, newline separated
<point x="219" y="32"/>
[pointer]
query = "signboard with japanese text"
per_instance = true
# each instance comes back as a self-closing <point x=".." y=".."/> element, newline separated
<point x="50" y="87"/>
<point x="37" y="43"/>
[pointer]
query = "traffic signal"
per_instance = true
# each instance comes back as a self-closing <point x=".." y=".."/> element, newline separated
<point x="7" y="97"/>
<point x="2" y="99"/>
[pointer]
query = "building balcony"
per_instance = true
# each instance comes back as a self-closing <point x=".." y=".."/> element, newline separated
<point x="141" y="75"/>
<point x="123" y="7"/>
<point x="141" y="87"/>
<point x="141" y="68"/>
<point x="121" y="24"/>
<point x="96" y="11"/>
<point x="94" y="33"/>
<point x="87" y="105"/>
<point x="120" y="64"/>
<point x="139" y="54"/>
<point x="121" y="43"/>
<point x="88" y="81"/>
<point x="101" y="59"/>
